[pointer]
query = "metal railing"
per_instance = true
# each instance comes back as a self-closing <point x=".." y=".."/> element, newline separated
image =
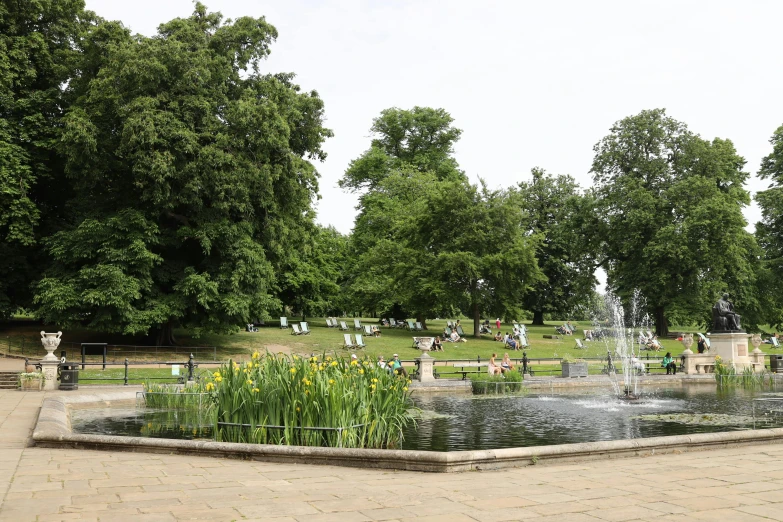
<point x="191" y="364"/>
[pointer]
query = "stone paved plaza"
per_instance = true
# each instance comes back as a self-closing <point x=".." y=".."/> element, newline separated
<point x="38" y="484"/>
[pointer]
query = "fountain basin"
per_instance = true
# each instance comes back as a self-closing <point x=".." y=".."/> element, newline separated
<point x="54" y="430"/>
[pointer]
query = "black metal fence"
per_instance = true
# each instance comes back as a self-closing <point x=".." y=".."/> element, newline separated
<point x="189" y="370"/>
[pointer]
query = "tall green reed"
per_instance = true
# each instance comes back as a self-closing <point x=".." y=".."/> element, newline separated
<point x="273" y="398"/>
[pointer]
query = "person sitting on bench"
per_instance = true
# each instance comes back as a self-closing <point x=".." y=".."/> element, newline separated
<point x="669" y="364"/>
<point x="396" y="366"/>
<point x="506" y="365"/>
<point x="493" y="368"/>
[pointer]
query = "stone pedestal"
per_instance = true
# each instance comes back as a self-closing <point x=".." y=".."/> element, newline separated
<point x="732" y="348"/>
<point x="425" y="368"/>
<point x="50" y="362"/>
<point x="49" y="369"/>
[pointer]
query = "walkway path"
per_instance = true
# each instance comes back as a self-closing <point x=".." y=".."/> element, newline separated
<point x="56" y="485"/>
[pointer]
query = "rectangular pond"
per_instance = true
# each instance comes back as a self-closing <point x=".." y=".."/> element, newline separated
<point x="453" y="423"/>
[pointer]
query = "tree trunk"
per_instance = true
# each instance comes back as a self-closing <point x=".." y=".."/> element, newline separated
<point x="538" y="318"/>
<point x="661" y="324"/>
<point x="423" y="320"/>
<point x="476" y="321"/>
<point x="165" y="335"/>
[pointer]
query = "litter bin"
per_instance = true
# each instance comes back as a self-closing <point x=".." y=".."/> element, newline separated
<point x="776" y="363"/>
<point x="69" y="376"/>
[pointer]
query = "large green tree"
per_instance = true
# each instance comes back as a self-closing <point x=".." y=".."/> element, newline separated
<point x="39" y="47"/>
<point x="671" y="210"/>
<point x="427" y="241"/>
<point x="476" y="255"/>
<point x="410" y="150"/>
<point x="191" y="177"/>
<point x="311" y="280"/>
<point x="561" y="215"/>
<point x="769" y="231"/>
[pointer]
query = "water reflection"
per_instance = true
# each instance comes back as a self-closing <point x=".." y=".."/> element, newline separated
<point x="580" y="416"/>
<point x="488" y="422"/>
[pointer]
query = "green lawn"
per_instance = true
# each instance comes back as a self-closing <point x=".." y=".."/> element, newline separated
<point x="330" y="340"/>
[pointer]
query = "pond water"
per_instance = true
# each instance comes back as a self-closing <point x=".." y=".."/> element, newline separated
<point x="451" y="423"/>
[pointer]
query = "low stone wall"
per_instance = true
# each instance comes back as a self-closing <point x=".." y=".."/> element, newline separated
<point x="53" y="430"/>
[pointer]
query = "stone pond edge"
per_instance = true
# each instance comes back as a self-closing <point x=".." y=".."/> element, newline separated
<point x="53" y="430"/>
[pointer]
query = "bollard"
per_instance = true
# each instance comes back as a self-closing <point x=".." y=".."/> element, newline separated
<point x="126" y="371"/>
<point x="190" y="368"/>
<point x="478" y="359"/>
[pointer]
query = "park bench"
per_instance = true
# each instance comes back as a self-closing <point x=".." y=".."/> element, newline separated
<point x="473" y="367"/>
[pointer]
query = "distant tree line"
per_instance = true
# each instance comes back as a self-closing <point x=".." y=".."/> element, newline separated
<point x="153" y="183"/>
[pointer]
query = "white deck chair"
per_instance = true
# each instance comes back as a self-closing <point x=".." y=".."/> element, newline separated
<point x="329" y="323"/>
<point x="419" y="327"/>
<point x="357" y="324"/>
<point x="343" y="326"/>
<point x="367" y="330"/>
<point x="706" y="340"/>
<point x="283" y="322"/>
<point x="305" y="328"/>
<point x="360" y="341"/>
<point x="347" y="343"/>
<point x="295" y="329"/>
<point x="392" y="323"/>
<point x="775" y="343"/>
<point x="579" y="345"/>
<point x="411" y="326"/>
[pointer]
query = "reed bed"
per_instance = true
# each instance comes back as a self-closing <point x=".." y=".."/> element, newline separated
<point x="727" y="376"/>
<point x="192" y="397"/>
<point x="317" y="401"/>
<point x="485" y="384"/>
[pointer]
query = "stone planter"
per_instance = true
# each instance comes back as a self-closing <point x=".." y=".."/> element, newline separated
<point x="574" y="369"/>
<point x="31" y="383"/>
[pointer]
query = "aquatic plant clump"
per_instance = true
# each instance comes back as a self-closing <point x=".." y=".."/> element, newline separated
<point x="317" y="401"/>
<point x="727" y="376"/>
<point x="192" y="396"/>
<point x="509" y="382"/>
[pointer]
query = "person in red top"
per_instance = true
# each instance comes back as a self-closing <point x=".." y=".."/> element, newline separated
<point x="497" y="323"/>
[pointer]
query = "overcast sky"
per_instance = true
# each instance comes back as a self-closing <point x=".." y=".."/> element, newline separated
<point x="529" y="83"/>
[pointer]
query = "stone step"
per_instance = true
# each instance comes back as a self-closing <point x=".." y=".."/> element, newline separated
<point x="9" y="380"/>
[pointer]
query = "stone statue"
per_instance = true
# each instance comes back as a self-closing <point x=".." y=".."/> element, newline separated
<point x="723" y="316"/>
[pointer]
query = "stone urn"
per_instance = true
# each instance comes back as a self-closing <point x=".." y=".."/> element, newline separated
<point x="687" y="342"/>
<point x="50" y="343"/>
<point x="756" y="341"/>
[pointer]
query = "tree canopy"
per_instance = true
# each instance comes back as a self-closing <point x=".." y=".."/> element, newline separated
<point x="769" y="231"/>
<point x="39" y="47"/>
<point x="672" y="224"/>
<point x="192" y="185"/>
<point x="562" y="216"/>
